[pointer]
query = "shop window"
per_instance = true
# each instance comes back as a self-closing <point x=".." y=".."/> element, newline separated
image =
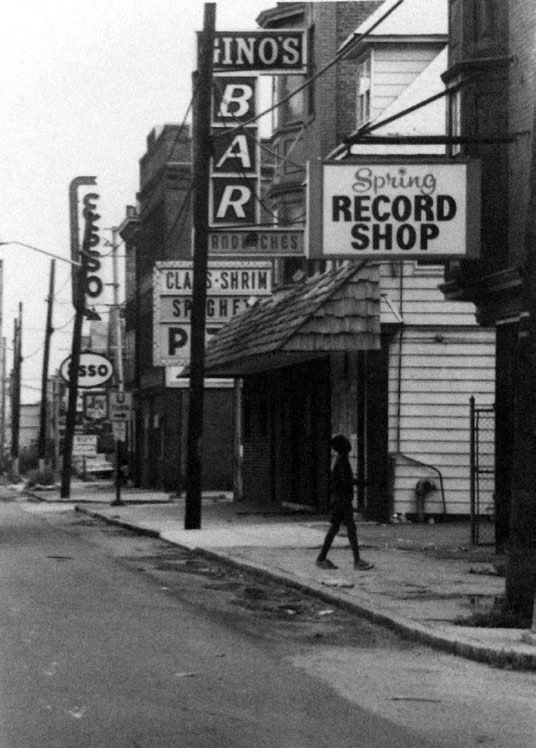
<point x="363" y="91"/>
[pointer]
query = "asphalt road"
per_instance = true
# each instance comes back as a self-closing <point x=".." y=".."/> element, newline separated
<point x="95" y="652"/>
<point x="112" y="639"/>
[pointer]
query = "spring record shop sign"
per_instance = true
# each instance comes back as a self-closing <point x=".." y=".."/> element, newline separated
<point x="405" y="209"/>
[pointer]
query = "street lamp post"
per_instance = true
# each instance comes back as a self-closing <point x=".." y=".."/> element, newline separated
<point x="41" y="251"/>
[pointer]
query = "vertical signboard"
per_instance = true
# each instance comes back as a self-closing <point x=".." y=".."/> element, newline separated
<point x="235" y="174"/>
<point x="235" y="192"/>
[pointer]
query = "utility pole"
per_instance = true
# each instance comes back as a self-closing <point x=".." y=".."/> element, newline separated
<point x="202" y="84"/>
<point x="80" y="308"/>
<point x="521" y="568"/>
<point x="118" y="361"/>
<point x="15" y="394"/>
<point x="42" y="446"/>
<point x="3" y="348"/>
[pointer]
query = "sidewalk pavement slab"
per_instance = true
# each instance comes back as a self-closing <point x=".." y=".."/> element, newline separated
<point x="424" y="577"/>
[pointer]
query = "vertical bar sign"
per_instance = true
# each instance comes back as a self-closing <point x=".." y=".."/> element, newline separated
<point x="235" y="166"/>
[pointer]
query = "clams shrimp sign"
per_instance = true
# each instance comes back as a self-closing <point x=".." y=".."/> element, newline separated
<point x="387" y="209"/>
<point x="230" y="287"/>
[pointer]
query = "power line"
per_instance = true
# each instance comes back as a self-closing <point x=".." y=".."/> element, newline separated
<point x="177" y="136"/>
<point x="339" y="56"/>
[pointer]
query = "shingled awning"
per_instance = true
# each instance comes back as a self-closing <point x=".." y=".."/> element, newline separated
<point x="336" y="311"/>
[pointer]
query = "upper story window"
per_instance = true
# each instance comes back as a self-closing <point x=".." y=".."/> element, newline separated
<point x="292" y="110"/>
<point x="363" y="91"/>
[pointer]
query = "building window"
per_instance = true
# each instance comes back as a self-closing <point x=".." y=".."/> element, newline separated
<point x="455" y="120"/>
<point x="291" y="110"/>
<point x="363" y="91"/>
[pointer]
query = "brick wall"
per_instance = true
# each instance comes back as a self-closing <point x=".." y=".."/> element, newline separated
<point x="522" y="29"/>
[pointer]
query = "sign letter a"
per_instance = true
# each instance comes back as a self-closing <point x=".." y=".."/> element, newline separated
<point x="237" y="149"/>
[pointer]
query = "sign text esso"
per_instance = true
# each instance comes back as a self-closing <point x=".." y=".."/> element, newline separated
<point x="94" y="370"/>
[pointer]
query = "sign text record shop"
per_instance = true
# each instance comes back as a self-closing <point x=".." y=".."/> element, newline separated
<point x="230" y="285"/>
<point x="410" y="209"/>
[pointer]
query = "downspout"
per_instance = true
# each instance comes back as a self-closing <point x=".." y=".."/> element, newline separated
<point x="400" y="341"/>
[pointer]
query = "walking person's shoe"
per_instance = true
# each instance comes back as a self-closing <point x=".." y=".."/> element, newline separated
<point x="363" y="565"/>
<point x="325" y="563"/>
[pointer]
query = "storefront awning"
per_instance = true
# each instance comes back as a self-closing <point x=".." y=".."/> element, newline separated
<point x="336" y="311"/>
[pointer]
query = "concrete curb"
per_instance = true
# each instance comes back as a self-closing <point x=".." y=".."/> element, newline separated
<point x="409" y="629"/>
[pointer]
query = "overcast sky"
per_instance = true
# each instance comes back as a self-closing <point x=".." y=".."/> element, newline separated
<point x="82" y="85"/>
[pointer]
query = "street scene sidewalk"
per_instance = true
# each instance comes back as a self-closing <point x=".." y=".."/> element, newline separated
<point x="426" y="577"/>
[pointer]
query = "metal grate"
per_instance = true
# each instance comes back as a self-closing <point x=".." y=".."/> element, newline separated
<point x="482" y="444"/>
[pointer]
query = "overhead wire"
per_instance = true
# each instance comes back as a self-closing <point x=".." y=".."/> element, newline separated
<point x="241" y="126"/>
<point x="338" y="57"/>
<point x="177" y="136"/>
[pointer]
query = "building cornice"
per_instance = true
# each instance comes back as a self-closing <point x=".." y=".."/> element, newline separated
<point x="475" y="63"/>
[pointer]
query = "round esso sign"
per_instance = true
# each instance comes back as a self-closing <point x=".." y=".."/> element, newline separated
<point x="93" y="371"/>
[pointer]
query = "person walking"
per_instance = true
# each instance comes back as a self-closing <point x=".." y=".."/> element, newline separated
<point x="341" y="501"/>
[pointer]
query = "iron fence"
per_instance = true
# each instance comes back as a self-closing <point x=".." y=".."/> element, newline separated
<point x="482" y="444"/>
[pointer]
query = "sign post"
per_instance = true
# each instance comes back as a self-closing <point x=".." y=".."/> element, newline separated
<point x="120" y="413"/>
<point x="90" y="232"/>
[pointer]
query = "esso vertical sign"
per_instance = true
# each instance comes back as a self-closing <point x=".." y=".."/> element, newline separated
<point x="91" y="240"/>
<point x="94" y="370"/>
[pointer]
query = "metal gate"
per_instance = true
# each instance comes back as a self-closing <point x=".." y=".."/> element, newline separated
<point x="482" y="442"/>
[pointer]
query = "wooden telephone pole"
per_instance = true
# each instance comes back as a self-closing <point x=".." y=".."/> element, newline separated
<point x="43" y="414"/>
<point x="15" y="394"/>
<point x="201" y="177"/>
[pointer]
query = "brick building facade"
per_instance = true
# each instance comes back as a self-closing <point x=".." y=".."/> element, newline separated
<point x="492" y="107"/>
<point x="160" y="229"/>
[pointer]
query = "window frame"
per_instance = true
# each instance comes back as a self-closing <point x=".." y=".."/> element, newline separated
<point x="363" y="106"/>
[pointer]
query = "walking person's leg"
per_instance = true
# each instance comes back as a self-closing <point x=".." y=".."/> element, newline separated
<point x="351" y="529"/>
<point x="334" y="527"/>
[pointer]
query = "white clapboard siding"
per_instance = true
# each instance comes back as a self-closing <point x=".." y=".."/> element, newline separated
<point x="446" y="358"/>
<point x="394" y="68"/>
<point x="421" y="297"/>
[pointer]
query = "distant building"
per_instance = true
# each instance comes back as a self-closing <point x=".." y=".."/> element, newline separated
<point x="29" y="425"/>
<point x="158" y="229"/>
